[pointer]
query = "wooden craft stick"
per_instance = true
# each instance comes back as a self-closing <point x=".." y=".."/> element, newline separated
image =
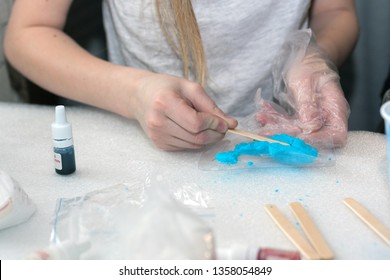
<point x="368" y="218"/>
<point x="311" y="231"/>
<point x="255" y="136"/>
<point x="292" y="234"/>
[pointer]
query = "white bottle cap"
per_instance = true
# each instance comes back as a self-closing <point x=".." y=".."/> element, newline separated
<point x="237" y="252"/>
<point x="61" y="129"/>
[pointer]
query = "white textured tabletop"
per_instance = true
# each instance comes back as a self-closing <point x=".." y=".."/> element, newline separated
<point x="111" y="150"/>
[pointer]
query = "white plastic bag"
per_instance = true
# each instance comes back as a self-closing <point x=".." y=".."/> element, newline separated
<point x="15" y="205"/>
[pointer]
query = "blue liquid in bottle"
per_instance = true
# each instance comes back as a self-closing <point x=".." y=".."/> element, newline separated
<point x="64" y="156"/>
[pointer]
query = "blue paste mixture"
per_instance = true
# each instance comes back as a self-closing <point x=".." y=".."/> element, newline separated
<point x="298" y="152"/>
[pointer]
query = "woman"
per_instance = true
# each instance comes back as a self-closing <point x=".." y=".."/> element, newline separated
<point x="183" y="68"/>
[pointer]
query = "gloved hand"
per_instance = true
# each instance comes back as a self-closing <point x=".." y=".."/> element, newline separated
<point x="308" y="100"/>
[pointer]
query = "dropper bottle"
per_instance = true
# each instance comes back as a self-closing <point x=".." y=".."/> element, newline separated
<point x="64" y="159"/>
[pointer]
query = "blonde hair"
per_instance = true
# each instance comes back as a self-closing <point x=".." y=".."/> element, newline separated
<point x="179" y="25"/>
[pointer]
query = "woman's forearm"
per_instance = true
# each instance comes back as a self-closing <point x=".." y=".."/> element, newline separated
<point x="336" y="28"/>
<point x="48" y="57"/>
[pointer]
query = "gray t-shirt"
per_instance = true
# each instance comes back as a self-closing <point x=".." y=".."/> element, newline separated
<point x="241" y="40"/>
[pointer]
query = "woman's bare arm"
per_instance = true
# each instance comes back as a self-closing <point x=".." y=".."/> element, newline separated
<point x="36" y="45"/>
<point x="335" y="25"/>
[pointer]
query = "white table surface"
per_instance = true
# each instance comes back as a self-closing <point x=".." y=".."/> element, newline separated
<point x="112" y="150"/>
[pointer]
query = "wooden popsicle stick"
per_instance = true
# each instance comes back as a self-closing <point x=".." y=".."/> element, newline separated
<point x="368" y="218"/>
<point x="311" y="231"/>
<point x="255" y="136"/>
<point x="292" y="234"/>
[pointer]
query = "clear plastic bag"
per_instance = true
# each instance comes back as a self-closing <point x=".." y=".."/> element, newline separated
<point x="136" y="221"/>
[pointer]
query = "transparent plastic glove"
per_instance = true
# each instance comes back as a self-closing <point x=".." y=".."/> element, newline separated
<point x="308" y="100"/>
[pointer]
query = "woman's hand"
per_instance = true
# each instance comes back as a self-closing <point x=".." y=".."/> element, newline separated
<point x="315" y="95"/>
<point x="178" y="114"/>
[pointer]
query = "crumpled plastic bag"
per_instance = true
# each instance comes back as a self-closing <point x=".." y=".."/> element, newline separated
<point x="131" y="221"/>
<point x="164" y="229"/>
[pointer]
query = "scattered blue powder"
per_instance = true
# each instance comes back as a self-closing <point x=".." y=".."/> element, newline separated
<point x="297" y="153"/>
<point x="250" y="163"/>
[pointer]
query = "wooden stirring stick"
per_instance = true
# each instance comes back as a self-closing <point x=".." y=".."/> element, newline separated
<point x="288" y="229"/>
<point x="368" y="218"/>
<point x="311" y="231"/>
<point x="256" y="137"/>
